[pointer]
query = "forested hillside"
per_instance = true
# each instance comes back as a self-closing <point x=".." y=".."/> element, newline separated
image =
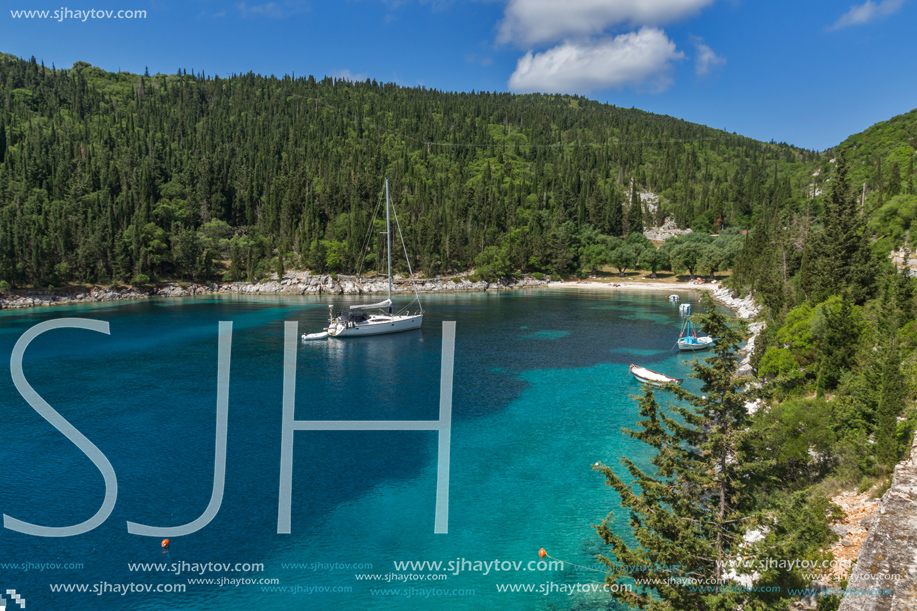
<point x="882" y="166"/>
<point x="110" y="177"/>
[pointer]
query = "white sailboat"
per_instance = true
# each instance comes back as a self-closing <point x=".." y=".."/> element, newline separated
<point x="358" y="322"/>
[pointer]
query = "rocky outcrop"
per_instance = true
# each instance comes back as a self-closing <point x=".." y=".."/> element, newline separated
<point x="668" y="229"/>
<point x="297" y="283"/>
<point x="885" y="575"/>
<point x="746" y="309"/>
<point x="29" y="299"/>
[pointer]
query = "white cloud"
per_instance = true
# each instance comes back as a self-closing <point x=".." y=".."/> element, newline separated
<point x="530" y="22"/>
<point x="270" y="9"/>
<point x="705" y="59"/>
<point x="347" y="75"/>
<point x="641" y="59"/>
<point x="864" y="13"/>
<point x="273" y="10"/>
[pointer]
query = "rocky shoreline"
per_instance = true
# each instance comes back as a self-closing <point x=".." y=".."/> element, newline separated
<point x="304" y="283"/>
<point x="745" y="308"/>
<point x="296" y="283"/>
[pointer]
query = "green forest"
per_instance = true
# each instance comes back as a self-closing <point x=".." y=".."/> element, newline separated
<point x="109" y="178"/>
<point x="115" y="177"/>
<point x="833" y="409"/>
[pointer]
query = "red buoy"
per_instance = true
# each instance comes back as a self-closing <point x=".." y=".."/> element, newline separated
<point x="542" y="553"/>
<point x="165" y="544"/>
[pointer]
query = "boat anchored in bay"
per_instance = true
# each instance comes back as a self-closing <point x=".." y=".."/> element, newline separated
<point x="688" y="339"/>
<point x="356" y="321"/>
<point x="648" y="376"/>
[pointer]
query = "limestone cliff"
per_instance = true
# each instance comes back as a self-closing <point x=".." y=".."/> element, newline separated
<point x="884" y="577"/>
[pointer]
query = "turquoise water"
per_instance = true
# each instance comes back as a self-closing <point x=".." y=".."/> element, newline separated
<point x="541" y="393"/>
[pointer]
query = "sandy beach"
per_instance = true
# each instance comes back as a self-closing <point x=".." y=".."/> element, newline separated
<point x="639" y="285"/>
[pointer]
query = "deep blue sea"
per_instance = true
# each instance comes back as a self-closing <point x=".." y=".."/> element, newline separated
<point x="541" y="392"/>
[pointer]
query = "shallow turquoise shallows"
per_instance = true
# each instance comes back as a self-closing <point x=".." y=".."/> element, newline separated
<point x="541" y="392"/>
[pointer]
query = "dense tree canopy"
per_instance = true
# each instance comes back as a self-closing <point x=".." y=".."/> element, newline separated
<point x="114" y="176"/>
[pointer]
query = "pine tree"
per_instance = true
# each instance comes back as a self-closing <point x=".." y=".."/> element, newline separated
<point x="615" y="214"/>
<point x="689" y="517"/>
<point x="895" y="304"/>
<point x="837" y="328"/>
<point x="280" y="269"/>
<point x="634" y="212"/>
<point x="840" y="256"/>
<point x="235" y="265"/>
<point x="890" y="405"/>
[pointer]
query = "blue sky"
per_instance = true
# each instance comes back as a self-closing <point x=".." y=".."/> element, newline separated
<point x="808" y="73"/>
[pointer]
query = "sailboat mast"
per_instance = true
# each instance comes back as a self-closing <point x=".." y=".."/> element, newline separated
<point x="388" y="239"/>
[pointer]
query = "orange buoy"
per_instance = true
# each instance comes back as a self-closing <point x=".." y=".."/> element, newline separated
<point x="542" y="553"/>
<point x="165" y="544"/>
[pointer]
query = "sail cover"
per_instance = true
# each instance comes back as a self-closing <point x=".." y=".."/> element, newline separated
<point x="381" y="304"/>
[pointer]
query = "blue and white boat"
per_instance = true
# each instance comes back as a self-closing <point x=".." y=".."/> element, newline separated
<point x="689" y="340"/>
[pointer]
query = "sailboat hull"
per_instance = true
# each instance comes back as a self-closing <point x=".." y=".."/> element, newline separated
<point x="701" y="343"/>
<point x="376" y="325"/>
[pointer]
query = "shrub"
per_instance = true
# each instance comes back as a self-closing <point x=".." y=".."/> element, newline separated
<point x="140" y="279"/>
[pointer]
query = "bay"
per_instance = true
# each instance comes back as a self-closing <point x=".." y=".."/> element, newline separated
<point x="541" y="392"/>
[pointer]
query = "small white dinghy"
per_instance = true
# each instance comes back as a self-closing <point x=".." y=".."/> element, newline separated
<point x="649" y="376"/>
<point x="311" y="336"/>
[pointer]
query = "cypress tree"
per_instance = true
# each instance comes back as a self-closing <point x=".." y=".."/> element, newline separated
<point x="890" y="405"/>
<point x="840" y="256"/>
<point x="615" y="214"/>
<point x="689" y="517"/>
<point x="635" y="212"/>
<point x="235" y="265"/>
<point x="280" y="270"/>
<point x="837" y="330"/>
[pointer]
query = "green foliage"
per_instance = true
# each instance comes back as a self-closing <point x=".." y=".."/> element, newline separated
<point x="837" y="328"/>
<point x="692" y="511"/>
<point x="140" y="279"/>
<point x="115" y="183"/>
<point x="654" y="259"/>
<point x="634" y="219"/>
<point x="779" y="363"/>
<point x="894" y="219"/>
<point x="799" y="435"/>
<point x="623" y="257"/>
<point x="686" y="256"/>
<point x="492" y="264"/>
<point x="839" y="259"/>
